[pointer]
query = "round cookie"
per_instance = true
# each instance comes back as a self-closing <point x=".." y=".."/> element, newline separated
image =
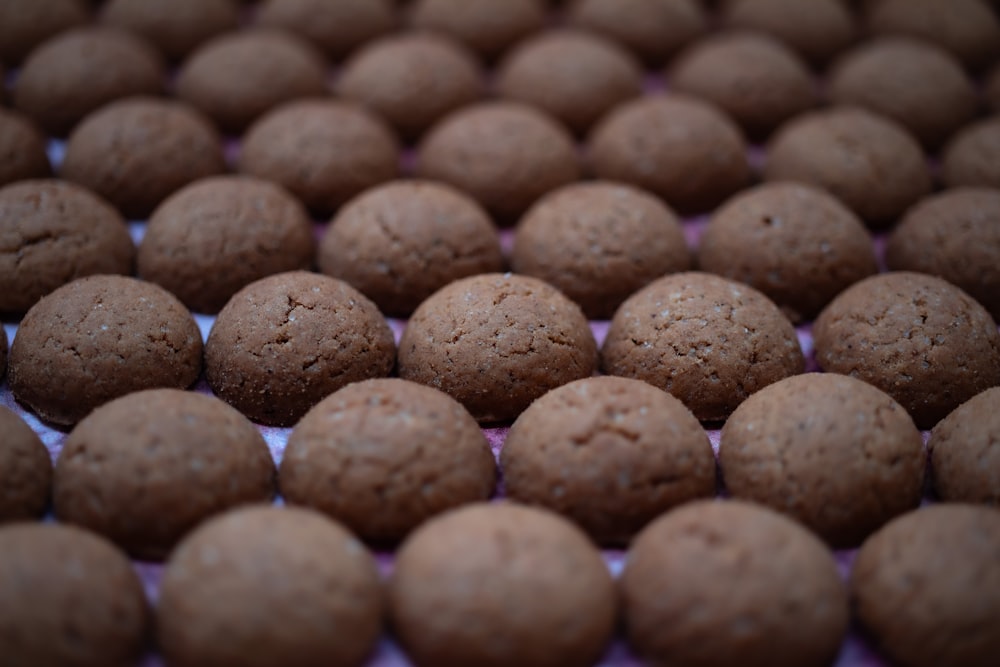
<point x="237" y="77"/>
<point x="927" y="587"/>
<point x="758" y="81"/>
<point x="269" y="586"/>
<point x="412" y="80"/>
<point x="921" y="340"/>
<point x="709" y="341"/>
<point x="25" y="467"/>
<point x="817" y="30"/>
<point x="677" y="147"/>
<point x="401" y="242"/>
<point x="573" y="75"/>
<point x="137" y="152"/>
<point x="480" y="24"/>
<point x="74" y="73"/>
<point x="505" y="154"/>
<point x="25" y="25"/>
<point x="285" y="342"/>
<point x="335" y="27"/>
<point x="215" y="236"/>
<point x="612" y="454"/>
<point x="99" y="338"/>
<point x="53" y="232"/>
<point x="499" y="585"/>
<point x="972" y="157"/>
<point x="965" y="451"/>
<point x="323" y="152"/>
<point x="22" y="149"/>
<point x="844" y="150"/>
<point x="176" y="28"/>
<point x="383" y="456"/>
<point x="954" y="235"/>
<point x="798" y="245"/>
<point x="496" y="343"/>
<point x="598" y="242"/>
<point x="763" y="589"/>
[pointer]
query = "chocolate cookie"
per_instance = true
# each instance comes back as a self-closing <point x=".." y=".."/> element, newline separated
<point x="285" y="342"/>
<point x="817" y="30"/>
<point x="401" y="242"/>
<point x="268" y="586"/>
<point x="25" y="25"/>
<point x="709" y="341"/>
<point x="482" y="25"/>
<point x="237" y="77"/>
<point x="323" y="152"/>
<point x="924" y="342"/>
<point x="965" y="451"/>
<point x="798" y="245"/>
<point x="500" y="585"/>
<point x="22" y="149"/>
<point x="70" y="598"/>
<point x="99" y="338"/>
<point x="25" y="468"/>
<point x="218" y="235"/>
<point x="677" y="147"/>
<point x="927" y="587"/>
<point x="609" y="453"/>
<point x="496" y="343"/>
<point x="71" y="75"/>
<point x="972" y="157"/>
<point x="599" y="242"/>
<point x="336" y="27"/>
<point x="176" y="28"/>
<point x="844" y="150"/>
<point x="505" y="154"/>
<point x="137" y="152"/>
<point x="53" y="232"/>
<point x="761" y="587"/>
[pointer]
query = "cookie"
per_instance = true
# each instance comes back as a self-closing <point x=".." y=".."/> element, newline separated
<point x="219" y="234"/>
<point x="505" y="154"/>
<point x="400" y="242"/>
<point x="677" y="147"/>
<point x="285" y="342"/>
<point x="612" y="454"/>
<point x="927" y="587"/>
<point x="598" y="242"/>
<point x="71" y="599"/>
<point x="98" y="338"/>
<point x="844" y="150"/>
<point x="53" y="232"/>
<point x="481" y="25"/>
<point x="176" y="28"/>
<point x="323" y="152"/>
<point x="817" y="30"/>
<point x="25" y="25"/>
<point x="335" y="27"/>
<point x="81" y="70"/>
<point x="137" y="152"/>
<point x="25" y="468"/>
<point x="921" y="340"/>
<point x="22" y="148"/>
<point x="237" y="77"/>
<point x="795" y="243"/>
<point x="765" y="590"/>
<point x="972" y="157"/>
<point x="498" y="585"/>
<point x="267" y="586"/>
<point x="965" y="451"/>
<point x="497" y="342"/>
<point x="709" y="341"/>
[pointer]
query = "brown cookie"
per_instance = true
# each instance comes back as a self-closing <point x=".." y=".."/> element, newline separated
<point x="965" y="451"/>
<point x="505" y="154"/>
<point x="219" y="234"/>
<point x="496" y="343"/>
<point x="99" y="338"/>
<point x="323" y="152"/>
<point x="500" y="585"/>
<point x="70" y="598"/>
<point x="137" y="152"/>
<point x="25" y="468"/>
<point x="22" y="149"/>
<point x="677" y="147"/>
<point x="237" y="77"/>
<point x="53" y="232"/>
<point x="401" y="242"/>
<point x="927" y="587"/>
<point x="267" y="586"/>
<point x="285" y="342"/>
<point x="718" y="583"/>
<point x="972" y="157"/>
<point x="921" y="340"/>
<point x="25" y="25"/>
<point x="176" y="28"/>
<point x="709" y="341"/>
<point x="482" y="25"/>
<point x="817" y="30"/>
<point x="335" y="27"/>
<point x="797" y="244"/>
<point x="599" y="242"/>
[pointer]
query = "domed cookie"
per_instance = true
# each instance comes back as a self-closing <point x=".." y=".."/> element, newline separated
<point x="335" y="27"/>
<point x="25" y="25"/>
<point x="482" y="25"/>
<point x="23" y="148"/>
<point x="817" y="30"/>
<point x="176" y="28"/>
<point x="25" y="469"/>
<point x="972" y="157"/>
<point x="965" y="451"/>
